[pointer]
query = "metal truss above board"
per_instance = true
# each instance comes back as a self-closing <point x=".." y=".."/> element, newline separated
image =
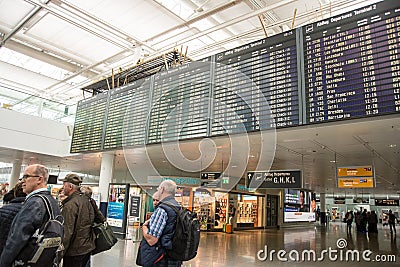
<point x="142" y="69"/>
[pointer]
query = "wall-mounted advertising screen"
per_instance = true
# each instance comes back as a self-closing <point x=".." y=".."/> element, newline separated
<point x="299" y="206"/>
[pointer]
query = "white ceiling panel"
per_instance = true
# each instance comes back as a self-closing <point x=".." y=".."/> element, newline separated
<point x="74" y="39"/>
<point x="12" y="11"/>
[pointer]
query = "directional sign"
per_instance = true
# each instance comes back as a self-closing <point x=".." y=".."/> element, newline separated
<point x="210" y="175"/>
<point x="274" y="179"/>
<point x="211" y="183"/>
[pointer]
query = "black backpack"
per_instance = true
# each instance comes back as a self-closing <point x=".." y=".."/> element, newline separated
<point x="43" y="247"/>
<point x="186" y="236"/>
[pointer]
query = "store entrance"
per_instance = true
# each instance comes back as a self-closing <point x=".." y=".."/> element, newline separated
<point x="272" y="210"/>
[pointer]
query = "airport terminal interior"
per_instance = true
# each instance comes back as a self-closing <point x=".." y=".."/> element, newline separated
<point x="275" y="118"/>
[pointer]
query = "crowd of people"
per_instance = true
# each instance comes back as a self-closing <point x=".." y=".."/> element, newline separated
<point x="367" y="221"/>
<point x="24" y="213"/>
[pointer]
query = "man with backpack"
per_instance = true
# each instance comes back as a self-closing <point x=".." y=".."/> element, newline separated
<point x="32" y="216"/>
<point x="158" y="231"/>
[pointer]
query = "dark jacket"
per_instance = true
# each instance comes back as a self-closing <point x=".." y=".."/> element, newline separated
<point x="98" y="216"/>
<point x="32" y="216"/>
<point x="149" y="254"/>
<point x="7" y="215"/>
<point x="78" y="219"/>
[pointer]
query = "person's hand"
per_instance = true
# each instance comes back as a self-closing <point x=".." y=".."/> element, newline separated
<point x="146" y="223"/>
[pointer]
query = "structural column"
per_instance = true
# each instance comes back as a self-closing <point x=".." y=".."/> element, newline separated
<point x="15" y="173"/>
<point x="322" y="208"/>
<point x="106" y="174"/>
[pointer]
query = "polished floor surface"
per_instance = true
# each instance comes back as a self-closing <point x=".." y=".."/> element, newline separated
<point x="243" y="248"/>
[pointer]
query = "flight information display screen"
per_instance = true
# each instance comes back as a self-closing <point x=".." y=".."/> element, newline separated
<point x="180" y="103"/>
<point x="352" y="64"/>
<point x="256" y="86"/>
<point x="127" y="113"/>
<point x="89" y="124"/>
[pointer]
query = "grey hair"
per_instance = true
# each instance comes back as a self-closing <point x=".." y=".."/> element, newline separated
<point x="76" y="187"/>
<point x="87" y="191"/>
<point x="169" y="187"/>
<point x="41" y="170"/>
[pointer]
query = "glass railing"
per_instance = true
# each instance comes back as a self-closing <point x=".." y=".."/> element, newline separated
<point x="37" y="106"/>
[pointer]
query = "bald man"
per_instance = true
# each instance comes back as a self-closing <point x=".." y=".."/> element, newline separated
<point x="159" y="229"/>
<point x="32" y="215"/>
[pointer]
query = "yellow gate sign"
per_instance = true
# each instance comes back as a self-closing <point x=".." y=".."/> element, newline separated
<point x="359" y="182"/>
<point x="357" y="171"/>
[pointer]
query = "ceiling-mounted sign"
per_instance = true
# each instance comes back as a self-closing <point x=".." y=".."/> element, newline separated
<point x="355" y="177"/>
<point x="274" y="179"/>
<point x="386" y="202"/>
<point x="211" y="183"/>
<point x="364" y="171"/>
<point x="359" y="182"/>
<point x="210" y="175"/>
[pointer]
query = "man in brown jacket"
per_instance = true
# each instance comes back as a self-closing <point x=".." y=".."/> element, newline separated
<point x="78" y="219"/>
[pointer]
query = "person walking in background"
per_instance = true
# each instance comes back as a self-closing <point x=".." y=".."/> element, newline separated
<point x="8" y="212"/>
<point x="349" y="220"/>
<point x="373" y="222"/>
<point x="392" y="222"/>
<point x="159" y="229"/>
<point x="32" y="215"/>
<point x="78" y="219"/>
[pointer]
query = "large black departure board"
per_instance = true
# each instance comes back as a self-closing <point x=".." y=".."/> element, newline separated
<point x="136" y="116"/>
<point x="256" y="86"/>
<point x="352" y="64"/>
<point x="126" y="116"/>
<point x="180" y="103"/>
<point x="119" y="100"/>
<point x="343" y="67"/>
<point x="89" y="124"/>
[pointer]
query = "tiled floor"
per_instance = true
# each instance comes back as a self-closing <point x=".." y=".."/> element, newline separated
<point x="241" y="248"/>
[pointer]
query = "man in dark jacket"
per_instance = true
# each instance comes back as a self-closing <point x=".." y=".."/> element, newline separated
<point x="32" y="215"/>
<point x="78" y="219"/>
<point x="159" y="229"/>
<point x="9" y="211"/>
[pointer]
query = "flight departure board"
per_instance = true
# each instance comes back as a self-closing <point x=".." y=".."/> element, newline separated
<point x="136" y="116"/>
<point x="119" y="100"/>
<point x="89" y="124"/>
<point x="180" y="103"/>
<point x="127" y="112"/>
<point x="352" y="65"/>
<point x="256" y="86"/>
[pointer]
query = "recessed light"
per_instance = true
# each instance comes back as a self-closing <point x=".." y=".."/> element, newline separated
<point x="392" y="145"/>
<point x="332" y="161"/>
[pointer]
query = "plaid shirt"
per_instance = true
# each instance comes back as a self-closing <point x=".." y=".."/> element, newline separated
<point x="158" y="220"/>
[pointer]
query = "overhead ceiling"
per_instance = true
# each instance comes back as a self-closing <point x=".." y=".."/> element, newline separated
<point x="85" y="40"/>
<point x="52" y="49"/>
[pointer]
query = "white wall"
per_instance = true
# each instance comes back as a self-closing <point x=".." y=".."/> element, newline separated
<point x="30" y="133"/>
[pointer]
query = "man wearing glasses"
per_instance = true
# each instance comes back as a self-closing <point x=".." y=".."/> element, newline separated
<point x="159" y="230"/>
<point x="32" y="215"/>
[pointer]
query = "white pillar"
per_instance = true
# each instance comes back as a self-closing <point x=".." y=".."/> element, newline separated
<point x="15" y="173"/>
<point x="106" y="174"/>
